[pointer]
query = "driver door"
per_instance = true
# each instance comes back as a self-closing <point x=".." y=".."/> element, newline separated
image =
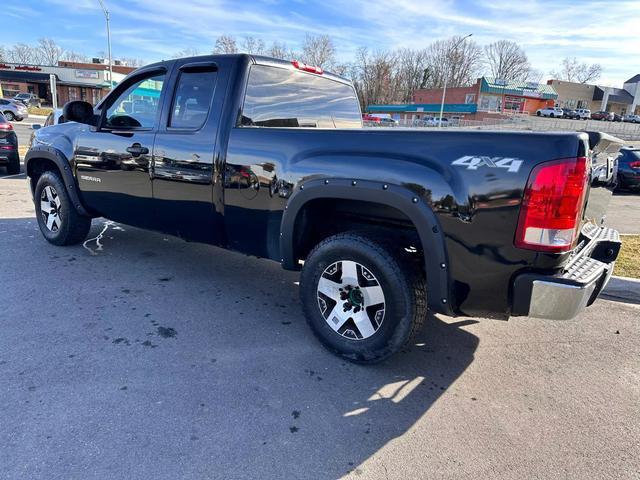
<point x="113" y="160"/>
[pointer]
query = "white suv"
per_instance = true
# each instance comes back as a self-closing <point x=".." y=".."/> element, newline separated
<point x="550" y="112"/>
<point x="583" y="113"/>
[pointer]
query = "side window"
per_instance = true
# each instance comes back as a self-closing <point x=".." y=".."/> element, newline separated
<point x="192" y="99"/>
<point x="138" y="106"/>
<point x="49" y="120"/>
<point x="279" y="97"/>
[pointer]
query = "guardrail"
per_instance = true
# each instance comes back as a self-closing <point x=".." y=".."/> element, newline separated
<point x="624" y="130"/>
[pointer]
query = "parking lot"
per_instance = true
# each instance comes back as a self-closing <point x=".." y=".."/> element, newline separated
<point x="141" y="356"/>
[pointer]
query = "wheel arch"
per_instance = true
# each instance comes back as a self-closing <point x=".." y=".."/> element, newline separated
<point x="41" y="159"/>
<point x="400" y="198"/>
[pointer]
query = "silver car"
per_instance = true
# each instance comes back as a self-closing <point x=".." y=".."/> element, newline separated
<point x="13" y="110"/>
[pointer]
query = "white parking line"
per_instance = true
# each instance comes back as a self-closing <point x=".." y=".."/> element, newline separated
<point x="16" y="175"/>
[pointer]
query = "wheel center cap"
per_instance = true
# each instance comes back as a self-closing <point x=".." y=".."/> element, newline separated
<point x="356" y="297"/>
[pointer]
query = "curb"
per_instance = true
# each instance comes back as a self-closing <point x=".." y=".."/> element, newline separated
<point x="623" y="289"/>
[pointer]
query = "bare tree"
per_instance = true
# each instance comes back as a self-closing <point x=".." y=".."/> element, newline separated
<point x="410" y="65"/>
<point x="572" y="70"/>
<point x="279" y="50"/>
<point x="132" y="62"/>
<point x="3" y="54"/>
<point x="187" y="52"/>
<point x="319" y="50"/>
<point x="253" y="45"/>
<point x="226" y="44"/>
<point x="459" y="63"/>
<point x="507" y="60"/>
<point x="373" y="76"/>
<point x="23" y="53"/>
<point x="71" y="56"/>
<point x="49" y="51"/>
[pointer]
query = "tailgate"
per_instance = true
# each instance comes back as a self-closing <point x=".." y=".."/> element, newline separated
<point x="603" y="152"/>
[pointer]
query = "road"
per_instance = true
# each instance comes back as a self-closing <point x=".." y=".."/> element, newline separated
<point x="142" y="356"/>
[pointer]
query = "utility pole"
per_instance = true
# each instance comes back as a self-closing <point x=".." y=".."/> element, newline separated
<point x="446" y="78"/>
<point x="106" y="16"/>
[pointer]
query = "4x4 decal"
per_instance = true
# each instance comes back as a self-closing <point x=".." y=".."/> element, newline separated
<point x="474" y="162"/>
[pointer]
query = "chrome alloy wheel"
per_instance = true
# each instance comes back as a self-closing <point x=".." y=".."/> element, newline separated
<point x="351" y="300"/>
<point x="50" y="208"/>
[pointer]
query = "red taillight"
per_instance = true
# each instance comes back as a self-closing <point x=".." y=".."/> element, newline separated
<point x="552" y="205"/>
<point x="6" y="126"/>
<point x="635" y="164"/>
<point x="307" y="68"/>
<point x="6" y="147"/>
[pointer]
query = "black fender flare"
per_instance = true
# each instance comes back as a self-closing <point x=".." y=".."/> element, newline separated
<point x="420" y="213"/>
<point x="55" y="156"/>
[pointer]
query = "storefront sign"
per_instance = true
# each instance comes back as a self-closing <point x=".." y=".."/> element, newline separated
<point x="87" y="74"/>
<point x="27" y="68"/>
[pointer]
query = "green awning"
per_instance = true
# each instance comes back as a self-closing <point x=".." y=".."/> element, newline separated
<point x="520" y="89"/>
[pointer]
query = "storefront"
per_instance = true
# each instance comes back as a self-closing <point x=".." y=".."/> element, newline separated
<point x="421" y="111"/>
<point x="502" y="96"/>
<point x="89" y="84"/>
<point x="491" y="97"/>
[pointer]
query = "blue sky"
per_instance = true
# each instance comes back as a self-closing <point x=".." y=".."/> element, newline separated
<point x="606" y="32"/>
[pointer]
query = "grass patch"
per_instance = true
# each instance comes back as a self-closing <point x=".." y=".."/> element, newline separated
<point x="40" y="111"/>
<point x="628" y="262"/>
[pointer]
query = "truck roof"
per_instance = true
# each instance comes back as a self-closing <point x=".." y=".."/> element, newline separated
<point x="255" y="59"/>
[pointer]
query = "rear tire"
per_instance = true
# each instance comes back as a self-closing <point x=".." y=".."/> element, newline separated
<point x="362" y="298"/>
<point x="59" y="221"/>
<point x="9" y="116"/>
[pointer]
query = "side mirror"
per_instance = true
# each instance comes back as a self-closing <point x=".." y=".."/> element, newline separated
<point x="79" y="111"/>
<point x="36" y="126"/>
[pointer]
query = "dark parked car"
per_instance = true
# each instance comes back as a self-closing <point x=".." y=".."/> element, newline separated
<point x="9" y="156"/>
<point x="608" y="116"/>
<point x="269" y="158"/>
<point x="629" y="168"/>
<point x="28" y="99"/>
<point x="617" y="117"/>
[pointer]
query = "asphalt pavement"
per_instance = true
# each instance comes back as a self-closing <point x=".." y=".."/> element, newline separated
<point x="141" y="356"/>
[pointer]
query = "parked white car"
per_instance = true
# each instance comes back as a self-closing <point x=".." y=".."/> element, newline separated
<point x="434" y="122"/>
<point x="632" y="118"/>
<point x="583" y="113"/>
<point x="550" y="112"/>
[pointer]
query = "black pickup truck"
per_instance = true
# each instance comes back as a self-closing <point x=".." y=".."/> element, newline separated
<point x="270" y="158"/>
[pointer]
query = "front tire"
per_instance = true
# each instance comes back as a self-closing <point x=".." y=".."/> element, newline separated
<point x="9" y="116"/>
<point x="59" y="221"/>
<point x="362" y="298"/>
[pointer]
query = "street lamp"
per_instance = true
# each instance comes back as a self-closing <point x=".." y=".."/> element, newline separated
<point x="106" y="16"/>
<point x="446" y="77"/>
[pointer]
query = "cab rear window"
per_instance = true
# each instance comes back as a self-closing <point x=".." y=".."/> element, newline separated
<point x="279" y="97"/>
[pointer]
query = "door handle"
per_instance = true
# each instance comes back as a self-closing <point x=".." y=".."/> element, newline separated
<point x="136" y="150"/>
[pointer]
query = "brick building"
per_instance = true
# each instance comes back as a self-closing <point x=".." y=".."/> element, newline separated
<point x="487" y="98"/>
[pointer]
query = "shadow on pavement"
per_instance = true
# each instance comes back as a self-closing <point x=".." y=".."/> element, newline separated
<point x="156" y="358"/>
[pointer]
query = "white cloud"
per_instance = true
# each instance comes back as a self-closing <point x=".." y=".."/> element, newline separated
<point x="591" y="30"/>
